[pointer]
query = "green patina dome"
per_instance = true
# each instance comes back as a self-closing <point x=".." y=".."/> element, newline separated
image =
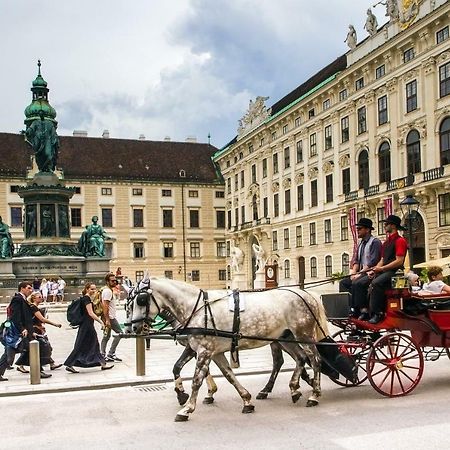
<point x="39" y="81"/>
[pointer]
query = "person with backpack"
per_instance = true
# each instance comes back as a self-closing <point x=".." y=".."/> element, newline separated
<point x="86" y="350"/>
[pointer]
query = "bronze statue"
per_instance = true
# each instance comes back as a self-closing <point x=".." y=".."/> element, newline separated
<point x="92" y="240"/>
<point x="7" y="247"/>
<point x="41" y="135"/>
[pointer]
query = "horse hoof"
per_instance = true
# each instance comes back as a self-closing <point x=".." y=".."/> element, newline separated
<point x="208" y="400"/>
<point x="312" y="403"/>
<point x="247" y="409"/>
<point x="295" y="397"/>
<point x="182" y="398"/>
<point x="181" y="418"/>
<point x="262" y="396"/>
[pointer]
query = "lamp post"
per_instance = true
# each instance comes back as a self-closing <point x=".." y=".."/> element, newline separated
<point x="410" y="206"/>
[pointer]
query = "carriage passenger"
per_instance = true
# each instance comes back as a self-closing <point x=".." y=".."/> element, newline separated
<point x="393" y="255"/>
<point x="436" y="284"/>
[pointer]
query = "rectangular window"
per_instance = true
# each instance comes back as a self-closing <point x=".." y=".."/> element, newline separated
<point x="359" y="83"/>
<point x="193" y="194"/>
<point x="329" y="188"/>
<point x="345" y="129"/>
<point x="286" y="238"/>
<point x="314" y="201"/>
<point x="220" y="194"/>
<point x="275" y="163"/>
<point x="274" y="136"/>
<point x="328" y="266"/>
<point x="250" y="148"/>
<point x="300" y="198"/>
<point x="222" y="275"/>
<point x="297" y="122"/>
<point x="408" y="55"/>
<point x="382" y="110"/>
<point x="236" y="182"/>
<point x="411" y="96"/>
<point x="328" y="137"/>
<point x="311" y="113"/>
<point x="298" y="236"/>
<point x="274" y="240"/>
<point x="13" y="188"/>
<point x="229" y="219"/>
<point x="138" y="250"/>
<point x="195" y="249"/>
<point x="285" y="129"/>
<point x="276" y="205"/>
<point x="287" y="201"/>
<point x="77" y="190"/>
<point x="106" y="191"/>
<point x="107" y="219"/>
<point x="265" y="207"/>
<point x="243" y="213"/>
<point x="253" y="173"/>
<point x="168" y="274"/>
<point x="313" y="262"/>
<point x="16" y="216"/>
<point x="242" y="179"/>
<point x="194" y="221"/>
<point x="138" y="218"/>
<point x="346" y="180"/>
<point x="167" y="218"/>
<point x="444" y="80"/>
<point x="137" y="191"/>
<point x="221" y="249"/>
<point x="343" y="95"/>
<point x="236" y="216"/>
<point x="380" y="216"/>
<point x="327" y="230"/>
<point x="220" y="218"/>
<point x="362" y="124"/>
<point x="261" y="142"/>
<point x="139" y="274"/>
<point x="287" y="158"/>
<point x="229" y="185"/>
<point x="168" y="249"/>
<point x="344" y="228"/>
<point x="195" y="275"/>
<point x="442" y="35"/>
<point x="326" y="104"/>
<point x="299" y="147"/>
<point x="444" y="210"/>
<point x="264" y="168"/>
<point x="312" y="234"/>
<point x="312" y="145"/>
<point x="75" y="217"/>
<point x="380" y="71"/>
<point x="166" y="192"/>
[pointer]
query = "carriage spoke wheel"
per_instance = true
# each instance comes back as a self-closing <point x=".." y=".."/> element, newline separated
<point x="359" y="354"/>
<point x="394" y="365"/>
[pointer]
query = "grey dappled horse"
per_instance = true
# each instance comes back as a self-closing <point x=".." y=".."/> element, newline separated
<point x="268" y="314"/>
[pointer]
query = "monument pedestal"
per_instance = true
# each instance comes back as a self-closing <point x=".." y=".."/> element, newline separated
<point x="260" y="280"/>
<point x="238" y="281"/>
<point x="6" y="269"/>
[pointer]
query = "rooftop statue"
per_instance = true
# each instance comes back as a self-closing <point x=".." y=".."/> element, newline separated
<point x="6" y="243"/>
<point x="257" y="112"/>
<point x="371" y="23"/>
<point x="351" y="38"/>
<point x="391" y="9"/>
<point x="92" y="240"/>
<point x="42" y="137"/>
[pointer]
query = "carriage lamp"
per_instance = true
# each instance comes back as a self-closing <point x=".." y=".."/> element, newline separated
<point x="410" y="207"/>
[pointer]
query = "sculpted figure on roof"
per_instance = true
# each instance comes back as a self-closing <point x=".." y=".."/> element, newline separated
<point x="257" y="112"/>
<point x="351" y="38"/>
<point x="371" y="23"/>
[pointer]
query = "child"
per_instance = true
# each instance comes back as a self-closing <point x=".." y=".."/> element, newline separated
<point x="436" y="285"/>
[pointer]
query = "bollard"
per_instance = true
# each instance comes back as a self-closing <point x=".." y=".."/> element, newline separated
<point x="140" y="356"/>
<point x="35" y="363"/>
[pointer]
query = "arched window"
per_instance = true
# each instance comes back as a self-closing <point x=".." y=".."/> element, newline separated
<point x="345" y="263"/>
<point x="287" y="268"/>
<point x="328" y="266"/>
<point x="413" y="152"/>
<point x="363" y="170"/>
<point x="384" y="162"/>
<point x="444" y="135"/>
<point x="313" y="264"/>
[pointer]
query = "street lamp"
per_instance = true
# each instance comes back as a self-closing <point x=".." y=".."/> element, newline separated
<point x="410" y="207"/>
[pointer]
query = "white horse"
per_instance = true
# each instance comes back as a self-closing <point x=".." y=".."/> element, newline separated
<point x="269" y="315"/>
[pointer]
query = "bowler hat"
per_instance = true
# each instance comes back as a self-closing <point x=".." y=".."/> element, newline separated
<point x="365" y="222"/>
<point x="394" y="220"/>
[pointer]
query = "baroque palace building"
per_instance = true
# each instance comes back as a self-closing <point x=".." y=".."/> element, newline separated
<point x="374" y="125"/>
<point x="161" y="203"/>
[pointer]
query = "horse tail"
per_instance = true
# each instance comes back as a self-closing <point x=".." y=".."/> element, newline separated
<point x="321" y="327"/>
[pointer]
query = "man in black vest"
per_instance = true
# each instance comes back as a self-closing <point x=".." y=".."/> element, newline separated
<point x="393" y="255"/>
<point x="367" y="255"/>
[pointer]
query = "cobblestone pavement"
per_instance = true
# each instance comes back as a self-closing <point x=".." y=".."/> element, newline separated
<point x="159" y="362"/>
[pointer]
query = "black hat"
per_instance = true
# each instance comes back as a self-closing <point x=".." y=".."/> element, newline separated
<point x="365" y="222"/>
<point x="394" y="220"/>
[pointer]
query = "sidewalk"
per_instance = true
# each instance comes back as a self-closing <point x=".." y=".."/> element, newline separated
<point x="159" y="362"/>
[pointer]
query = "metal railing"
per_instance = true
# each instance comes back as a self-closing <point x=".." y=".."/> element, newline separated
<point x="433" y="174"/>
<point x="350" y="196"/>
<point x="400" y="183"/>
<point x="371" y="190"/>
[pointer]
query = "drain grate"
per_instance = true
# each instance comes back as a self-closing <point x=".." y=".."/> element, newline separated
<point x="151" y="388"/>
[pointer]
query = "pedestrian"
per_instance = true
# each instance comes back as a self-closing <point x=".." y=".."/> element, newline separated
<point x="19" y="315"/>
<point x="45" y="349"/>
<point x="36" y="284"/>
<point x="44" y="289"/>
<point x="61" y="287"/>
<point x="110" y="297"/>
<point x="53" y="289"/>
<point x="86" y="350"/>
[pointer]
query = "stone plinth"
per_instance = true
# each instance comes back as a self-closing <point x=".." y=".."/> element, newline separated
<point x="6" y="269"/>
<point x="260" y="280"/>
<point x="239" y="281"/>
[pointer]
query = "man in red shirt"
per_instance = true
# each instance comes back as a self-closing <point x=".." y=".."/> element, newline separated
<point x="393" y="255"/>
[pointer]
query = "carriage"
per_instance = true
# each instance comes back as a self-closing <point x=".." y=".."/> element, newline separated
<point x="391" y="353"/>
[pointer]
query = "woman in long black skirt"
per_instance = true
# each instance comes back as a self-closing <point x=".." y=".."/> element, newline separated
<point x="86" y="351"/>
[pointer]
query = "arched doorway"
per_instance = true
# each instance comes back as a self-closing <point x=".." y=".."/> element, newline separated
<point x="301" y="272"/>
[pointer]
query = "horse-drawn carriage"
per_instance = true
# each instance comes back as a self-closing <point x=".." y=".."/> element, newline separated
<point x="391" y="353"/>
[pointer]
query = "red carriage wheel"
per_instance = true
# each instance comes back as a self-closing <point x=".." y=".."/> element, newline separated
<point x="394" y="365"/>
<point x="359" y="354"/>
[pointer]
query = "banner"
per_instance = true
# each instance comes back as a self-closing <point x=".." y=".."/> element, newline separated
<point x="352" y="224"/>
<point x="388" y="207"/>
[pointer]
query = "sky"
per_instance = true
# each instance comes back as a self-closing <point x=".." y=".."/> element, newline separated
<point x="173" y="68"/>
